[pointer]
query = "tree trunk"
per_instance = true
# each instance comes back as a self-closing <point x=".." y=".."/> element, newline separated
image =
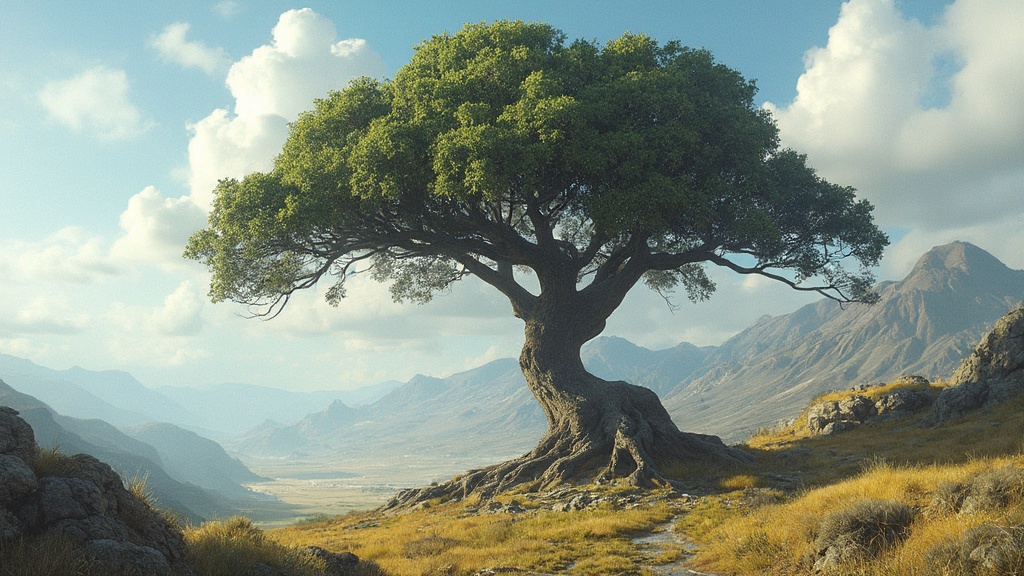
<point x="596" y="429"/>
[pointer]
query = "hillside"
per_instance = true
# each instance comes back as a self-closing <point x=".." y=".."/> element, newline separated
<point x="120" y="399"/>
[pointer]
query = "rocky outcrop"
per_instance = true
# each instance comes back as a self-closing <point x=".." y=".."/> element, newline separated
<point x="84" y="501"/>
<point x="993" y="373"/>
<point x="838" y="415"/>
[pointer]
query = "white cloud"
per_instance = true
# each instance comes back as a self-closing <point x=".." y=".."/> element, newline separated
<point x="160" y="335"/>
<point x="50" y="314"/>
<point x="866" y="114"/>
<point x="181" y="313"/>
<point x="157" y="228"/>
<point x="97" y="101"/>
<point x="224" y="147"/>
<point x="69" y="255"/>
<point x="174" y="47"/>
<point x="271" y="87"/>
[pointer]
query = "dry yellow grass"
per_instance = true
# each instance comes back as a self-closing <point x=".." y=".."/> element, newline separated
<point x="453" y="539"/>
<point x="897" y="462"/>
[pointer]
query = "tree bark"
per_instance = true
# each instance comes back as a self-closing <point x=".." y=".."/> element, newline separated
<point x="596" y="429"/>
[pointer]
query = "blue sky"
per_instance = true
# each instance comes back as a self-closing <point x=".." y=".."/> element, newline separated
<point x="118" y="117"/>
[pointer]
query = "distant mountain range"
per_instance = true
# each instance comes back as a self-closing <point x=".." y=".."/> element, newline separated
<point x="118" y="398"/>
<point x="172" y="482"/>
<point x="923" y="324"/>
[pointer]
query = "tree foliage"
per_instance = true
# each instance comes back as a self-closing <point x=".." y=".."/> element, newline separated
<point x="504" y="147"/>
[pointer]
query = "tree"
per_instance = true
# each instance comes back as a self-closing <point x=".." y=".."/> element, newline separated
<point x="503" y="150"/>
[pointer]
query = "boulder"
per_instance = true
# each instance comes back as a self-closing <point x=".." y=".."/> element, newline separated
<point x="835" y="416"/>
<point x="127" y="558"/>
<point x="16" y="436"/>
<point x="993" y="373"/>
<point x="336" y="563"/>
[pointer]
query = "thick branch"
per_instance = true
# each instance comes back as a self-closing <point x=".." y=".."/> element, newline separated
<point x="830" y="291"/>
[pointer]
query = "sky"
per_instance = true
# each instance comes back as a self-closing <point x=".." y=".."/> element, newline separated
<point x="117" y="118"/>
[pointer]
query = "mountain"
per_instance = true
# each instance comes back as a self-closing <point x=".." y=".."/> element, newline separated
<point x="58" y="389"/>
<point x="128" y="456"/>
<point x="614" y="358"/>
<point x="189" y="457"/>
<point x="924" y="324"/>
<point x="252" y="405"/>
<point x="483" y="415"/>
<point x="118" y="398"/>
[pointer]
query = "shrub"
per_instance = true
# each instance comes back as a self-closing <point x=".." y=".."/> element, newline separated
<point x="986" y="550"/>
<point x="235" y="545"/>
<point x="52" y="462"/>
<point x="993" y="489"/>
<point x="47" y="556"/>
<point x="859" y="532"/>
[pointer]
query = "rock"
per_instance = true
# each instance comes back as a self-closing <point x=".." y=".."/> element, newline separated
<point x="901" y="401"/>
<point x="835" y="416"/>
<point x="16" y="436"/>
<point x="16" y="479"/>
<point x="127" y="558"/>
<point x="87" y="504"/>
<point x="337" y="563"/>
<point x="993" y="373"/>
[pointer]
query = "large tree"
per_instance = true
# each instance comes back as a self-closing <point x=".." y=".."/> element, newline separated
<point x="503" y="150"/>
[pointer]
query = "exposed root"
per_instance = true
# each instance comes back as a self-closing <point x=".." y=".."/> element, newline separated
<point x="632" y="453"/>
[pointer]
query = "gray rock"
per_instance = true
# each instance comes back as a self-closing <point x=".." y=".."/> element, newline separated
<point x="993" y="373"/>
<point x="16" y="436"/>
<point x="337" y="563"/>
<point x="835" y="416"/>
<point x="67" y="499"/>
<point x="16" y="479"/>
<point x="124" y="557"/>
<point x="901" y="401"/>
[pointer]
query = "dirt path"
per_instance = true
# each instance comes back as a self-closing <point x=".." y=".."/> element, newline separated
<point x="664" y="539"/>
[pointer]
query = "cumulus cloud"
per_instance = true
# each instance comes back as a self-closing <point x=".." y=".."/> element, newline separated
<point x="223" y="146"/>
<point x="162" y="334"/>
<point x="271" y="86"/>
<point x="181" y="313"/>
<point x="174" y="47"/>
<point x="156" y="228"/>
<point x="50" y="315"/>
<point x="71" y="255"/>
<point x="927" y="122"/>
<point x="97" y="101"/>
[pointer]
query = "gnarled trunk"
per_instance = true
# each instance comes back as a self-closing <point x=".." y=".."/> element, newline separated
<point x="596" y="428"/>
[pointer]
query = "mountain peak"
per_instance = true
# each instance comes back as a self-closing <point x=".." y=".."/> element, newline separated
<point x="958" y="255"/>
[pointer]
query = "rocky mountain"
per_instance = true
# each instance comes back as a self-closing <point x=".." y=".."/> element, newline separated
<point x="924" y="324"/>
<point x="993" y="373"/>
